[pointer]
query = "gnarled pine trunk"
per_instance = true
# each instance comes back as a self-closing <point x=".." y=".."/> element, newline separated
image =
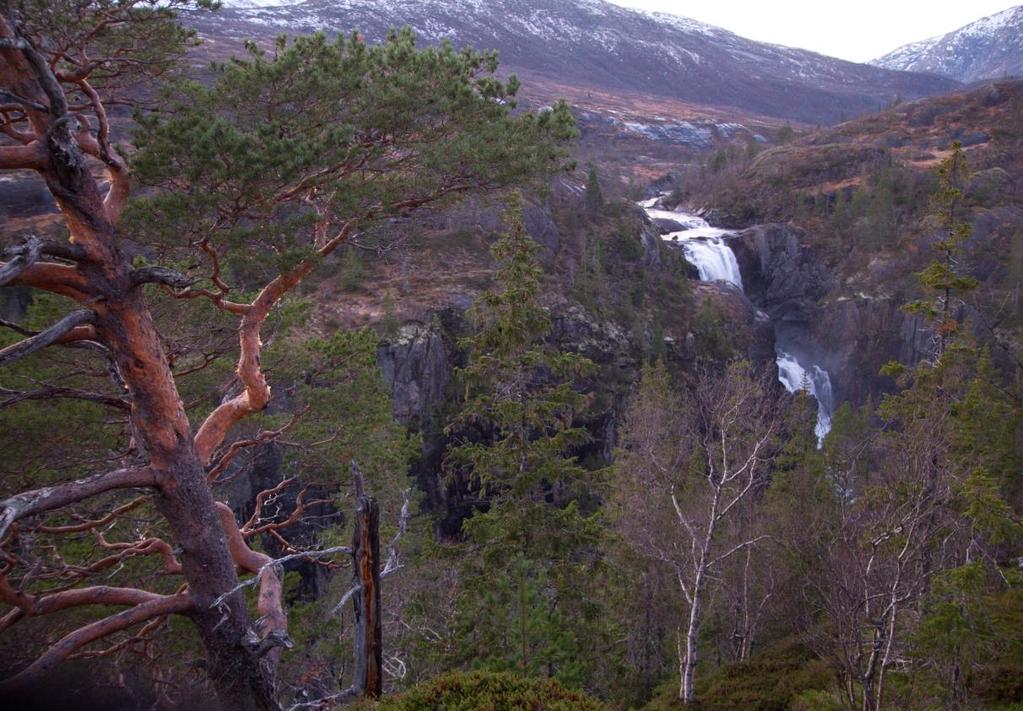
<point x="124" y="325"/>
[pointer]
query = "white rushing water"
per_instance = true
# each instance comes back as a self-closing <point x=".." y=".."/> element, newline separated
<point x="706" y="248"/>
<point x="816" y="380"/>
<point x="714" y="260"/>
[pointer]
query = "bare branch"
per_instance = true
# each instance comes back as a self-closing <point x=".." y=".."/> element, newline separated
<point x="734" y="549"/>
<point x="338" y="699"/>
<point x="49" y="276"/>
<point x="117" y="196"/>
<point x="64" y="250"/>
<point x="270" y="603"/>
<point x="6" y="95"/>
<point x="13" y="43"/>
<point x="249" y="582"/>
<point x="262" y="438"/>
<point x="30" y="503"/>
<point x="16" y="328"/>
<point x="156" y="606"/>
<point x="393" y="562"/>
<point x="256" y="393"/>
<point x="54" y="334"/>
<point x="27" y="157"/>
<point x="94" y="523"/>
<point x="26" y="255"/>
<point x="161" y="275"/>
<point x="345" y="598"/>
<point x="35" y="606"/>
<point x="55" y="393"/>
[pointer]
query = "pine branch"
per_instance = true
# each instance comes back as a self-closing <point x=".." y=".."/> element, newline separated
<point x="52" y="335"/>
<point x="26" y="255"/>
<point x="48" y="498"/>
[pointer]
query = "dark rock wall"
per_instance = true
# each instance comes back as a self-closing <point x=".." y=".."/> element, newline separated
<point x="850" y="334"/>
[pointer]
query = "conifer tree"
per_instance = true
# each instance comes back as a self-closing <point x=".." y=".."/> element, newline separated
<point x="944" y="276"/>
<point x="594" y="196"/>
<point x="521" y="402"/>
<point x="254" y="177"/>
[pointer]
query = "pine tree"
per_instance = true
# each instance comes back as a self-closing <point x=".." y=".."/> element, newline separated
<point x="944" y="276"/>
<point x="530" y="535"/>
<point x="255" y="176"/>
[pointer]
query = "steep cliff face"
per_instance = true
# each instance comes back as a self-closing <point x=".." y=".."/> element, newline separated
<point x="859" y="335"/>
<point x="780" y="272"/>
<point x="819" y="319"/>
<point x="850" y="222"/>
<point x="417" y="367"/>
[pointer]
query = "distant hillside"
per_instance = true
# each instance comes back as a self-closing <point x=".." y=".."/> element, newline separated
<point x="780" y="183"/>
<point x="854" y="223"/>
<point x="990" y="48"/>
<point x="596" y="44"/>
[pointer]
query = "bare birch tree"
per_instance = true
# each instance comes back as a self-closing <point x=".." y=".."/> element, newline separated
<point x="889" y="517"/>
<point x="691" y="467"/>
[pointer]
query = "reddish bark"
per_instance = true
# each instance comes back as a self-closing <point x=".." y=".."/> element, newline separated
<point x="256" y="393"/>
<point x="102" y="279"/>
<point x="369" y="672"/>
<point x="153" y="606"/>
<point x="271" y="603"/>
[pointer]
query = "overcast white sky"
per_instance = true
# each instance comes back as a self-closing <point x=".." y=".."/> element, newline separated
<point x="858" y="31"/>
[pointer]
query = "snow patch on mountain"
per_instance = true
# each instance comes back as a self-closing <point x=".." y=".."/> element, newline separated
<point x="993" y="24"/>
<point x="687" y="24"/>
<point x="989" y="48"/>
<point x="595" y="43"/>
<point x="257" y="3"/>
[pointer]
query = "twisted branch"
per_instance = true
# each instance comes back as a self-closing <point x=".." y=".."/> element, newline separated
<point x="48" y="498"/>
<point x="56" y="333"/>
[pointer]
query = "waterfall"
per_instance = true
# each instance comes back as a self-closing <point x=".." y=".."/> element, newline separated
<point x="703" y="246"/>
<point x="706" y="248"/>
<point x="816" y="381"/>
<point x="714" y="259"/>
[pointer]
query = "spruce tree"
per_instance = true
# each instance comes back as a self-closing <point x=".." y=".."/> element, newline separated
<point x="530" y="534"/>
<point x="944" y="277"/>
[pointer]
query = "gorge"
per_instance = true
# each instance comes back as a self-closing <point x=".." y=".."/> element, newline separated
<point x="707" y="248"/>
<point x="543" y="358"/>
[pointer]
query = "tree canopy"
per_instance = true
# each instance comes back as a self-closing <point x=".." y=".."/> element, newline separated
<point x="251" y="177"/>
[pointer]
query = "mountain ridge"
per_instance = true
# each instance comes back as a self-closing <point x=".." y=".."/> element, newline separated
<point x="595" y="43"/>
<point x="988" y="48"/>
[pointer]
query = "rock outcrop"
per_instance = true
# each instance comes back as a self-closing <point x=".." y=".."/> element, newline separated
<point x="417" y="367"/>
<point x="849" y="333"/>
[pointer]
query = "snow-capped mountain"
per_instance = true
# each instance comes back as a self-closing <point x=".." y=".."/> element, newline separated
<point x="986" y="49"/>
<point x="592" y="43"/>
<point x="249" y="4"/>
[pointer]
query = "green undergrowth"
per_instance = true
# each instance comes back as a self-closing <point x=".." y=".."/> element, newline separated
<point x="784" y="677"/>
<point x="487" y="691"/>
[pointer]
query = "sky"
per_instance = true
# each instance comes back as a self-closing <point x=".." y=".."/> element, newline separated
<point x="857" y="31"/>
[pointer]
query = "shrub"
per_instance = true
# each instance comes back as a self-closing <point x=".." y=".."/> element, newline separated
<point x="488" y="691"/>
<point x="777" y="679"/>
